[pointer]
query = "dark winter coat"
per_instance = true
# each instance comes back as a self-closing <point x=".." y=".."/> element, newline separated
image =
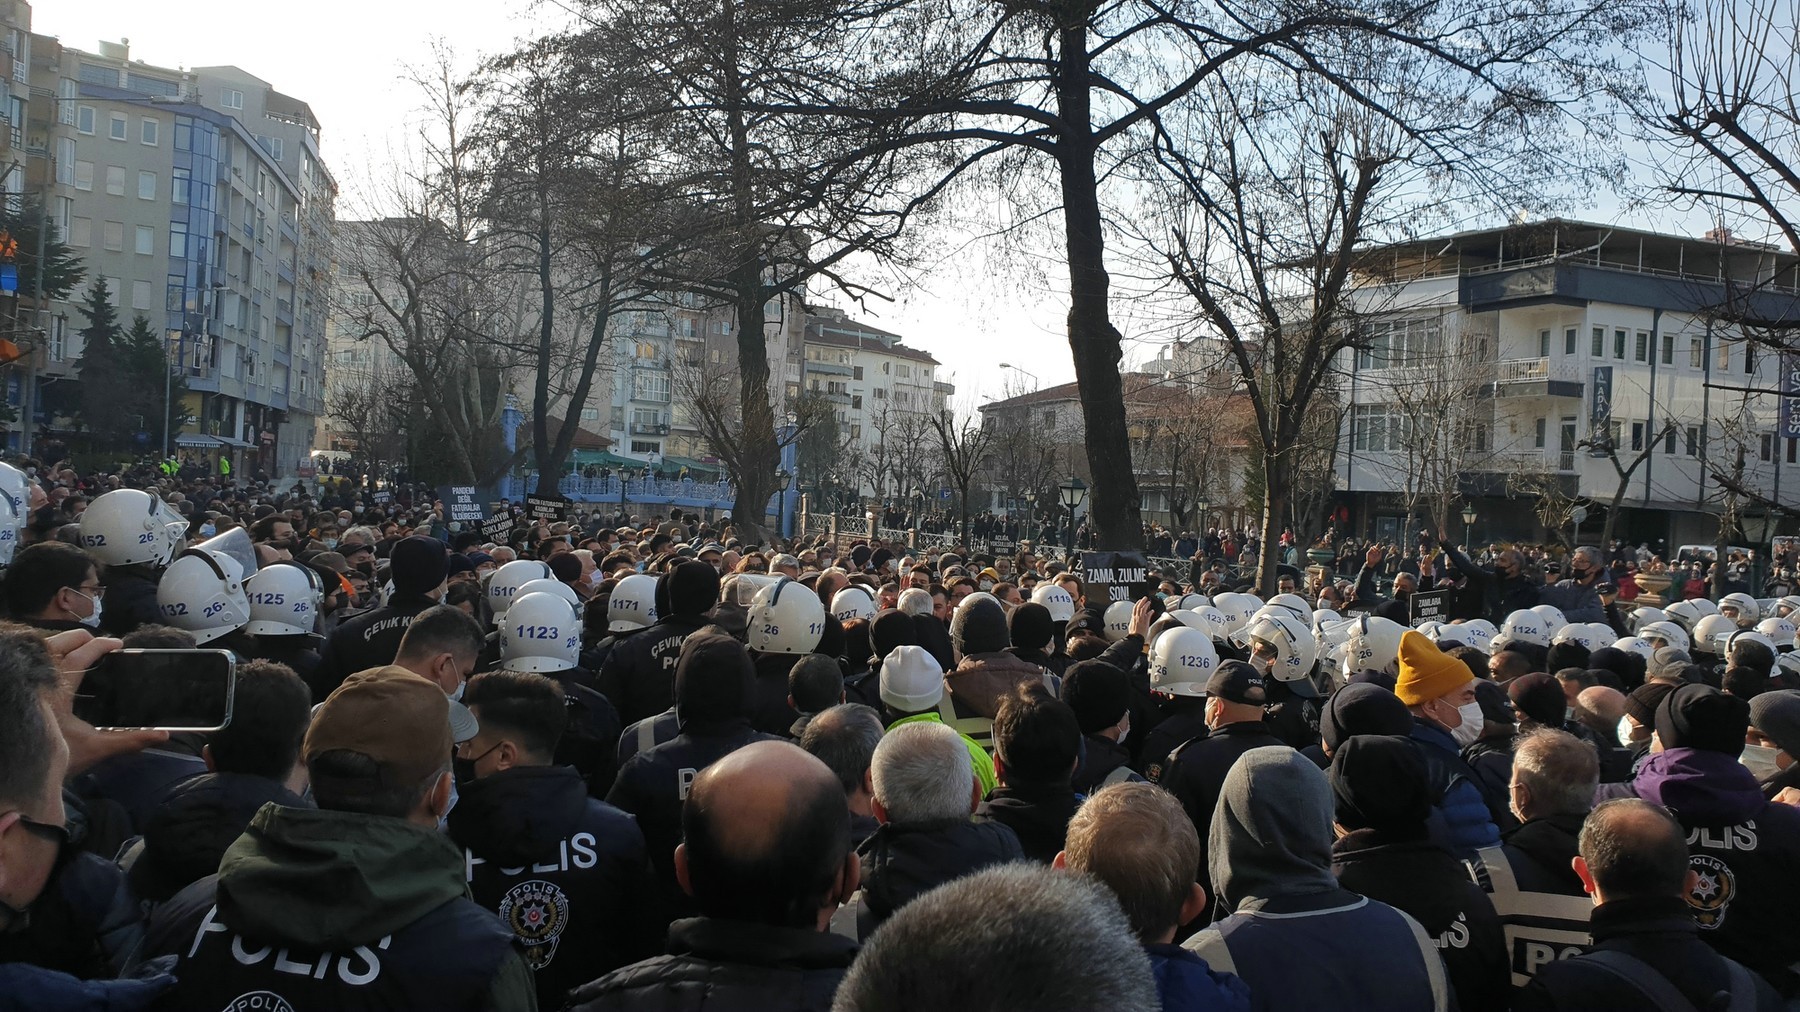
<point x="1467" y="825"/>
<point x="370" y="640"/>
<point x="1540" y="851"/>
<point x="196" y="822"/>
<point x="1038" y="814"/>
<point x="900" y="863"/>
<point x="727" y="966"/>
<point x="639" y="676"/>
<point x="1186" y="984"/>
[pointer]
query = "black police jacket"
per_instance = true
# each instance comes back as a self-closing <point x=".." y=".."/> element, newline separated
<point x="639" y="676"/>
<point x="370" y="640"/>
<point x="727" y="966"/>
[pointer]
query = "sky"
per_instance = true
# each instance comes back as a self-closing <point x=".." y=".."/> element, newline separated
<point x="349" y="61"/>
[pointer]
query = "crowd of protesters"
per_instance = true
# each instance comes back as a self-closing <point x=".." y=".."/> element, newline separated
<point x="607" y="760"/>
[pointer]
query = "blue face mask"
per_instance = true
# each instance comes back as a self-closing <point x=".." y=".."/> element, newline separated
<point x="208" y="530"/>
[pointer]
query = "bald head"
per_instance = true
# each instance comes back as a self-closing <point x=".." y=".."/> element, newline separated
<point x="1632" y="848"/>
<point x="1600" y="707"/>
<point x="767" y="837"/>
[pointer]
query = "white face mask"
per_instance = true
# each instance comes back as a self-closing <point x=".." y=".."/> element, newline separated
<point x="1125" y="729"/>
<point x="1760" y="761"/>
<point x="92" y="621"/>
<point x="1626" y="727"/>
<point x="1466" y="732"/>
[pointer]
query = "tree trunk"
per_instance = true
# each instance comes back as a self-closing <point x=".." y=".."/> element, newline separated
<point x="1113" y="499"/>
<point x="758" y="453"/>
<point x="1277" y="491"/>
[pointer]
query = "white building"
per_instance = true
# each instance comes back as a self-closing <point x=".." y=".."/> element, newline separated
<point x="1563" y="336"/>
<point x="880" y="390"/>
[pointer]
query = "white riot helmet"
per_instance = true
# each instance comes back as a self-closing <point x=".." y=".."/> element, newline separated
<point x="1665" y="634"/>
<point x="1689" y="612"/>
<point x="1237" y="608"/>
<point x="1478" y="633"/>
<point x="1605" y="635"/>
<point x="1636" y="645"/>
<point x="1182" y="662"/>
<point x="1552" y="617"/>
<point x="1116" y="623"/>
<point x="129" y="527"/>
<point x="853" y="602"/>
<point x="1214" y="623"/>
<point x="1320" y="616"/>
<point x="203" y="593"/>
<point x="1780" y="632"/>
<point x="1643" y="615"/>
<point x="1740" y="608"/>
<point x="284" y="600"/>
<point x="10" y="524"/>
<point x="505" y="582"/>
<point x="1710" y="632"/>
<point x="1176" y="619"/>
<point x="1430" y="629"/>
<point x="541" y="633"/>
<point x="1373" y="645"/>
<point x="1788" y="663"/>
<point x="1191" y="601"/>
<point x="1296" y="604"/>
<point x="1057" y="601"/>
<point x="1731" y="640"/>
<point x="557" y="587"/>
<point x="16" y="487"/>
<point x="1525" y="626"/>
<point x="1295" y="651"/>
<point x="1577" y="632"/>
<point x="786" y="618"/>
<point x="1785" y="607"/>
<point x="632" y="604"/>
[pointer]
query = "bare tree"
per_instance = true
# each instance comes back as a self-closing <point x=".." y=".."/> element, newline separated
<point x="1605" y="445"/>
<point x="962" y="446"/>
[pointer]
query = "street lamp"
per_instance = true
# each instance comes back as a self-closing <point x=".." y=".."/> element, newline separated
<point x="1034" y="380"/>
<point x="1468" y="515"/>
<point x="781" y="484"/>
<point x="1074" y="493"/>
<point x="1201" y="505"/>
<point x="1030" y="511"/>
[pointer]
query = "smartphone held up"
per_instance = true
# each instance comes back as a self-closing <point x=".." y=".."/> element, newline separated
<point x="165" y="690"/>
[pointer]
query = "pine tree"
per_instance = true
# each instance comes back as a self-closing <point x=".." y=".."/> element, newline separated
<point x="122" y="377"/>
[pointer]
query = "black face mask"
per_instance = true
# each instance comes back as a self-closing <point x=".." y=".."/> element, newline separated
<point x="464" y="769"/>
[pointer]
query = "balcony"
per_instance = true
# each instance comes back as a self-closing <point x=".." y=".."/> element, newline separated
<point x="1535" y="377"/>
<point x="284" y="312"/>
<point x="829" y="368"/>
<point x="649" y="428"/>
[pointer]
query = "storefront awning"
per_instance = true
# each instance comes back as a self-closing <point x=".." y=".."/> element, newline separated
<point x="196" y="441"/>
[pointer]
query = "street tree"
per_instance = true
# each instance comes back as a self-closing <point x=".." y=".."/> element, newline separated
<point x="962" y="446"/>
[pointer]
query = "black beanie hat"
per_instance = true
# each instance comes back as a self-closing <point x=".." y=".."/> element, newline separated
<point x="1496" y="708"/>
<point x="1642" y="702"/>
<point x="1098" y="692"/>
<point x="1567" y="654"/>
<point x="979" y="627"/>
<point x="693" y="589"/>
<point x="1539" y="697"/>
<point x="714" y="677"/>
<point x="831" y="641"/>
<point x="417" y="564"/>
<point x="1362" y="708"/>
<point x="1626" y="666"/>
<point x="889" y="629"/>
<point x="1378" y="782"/>
<point x="1032" y="627"/>
<point x="1702" y="717"/>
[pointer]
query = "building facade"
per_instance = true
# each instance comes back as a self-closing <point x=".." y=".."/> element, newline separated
<point x="882" y="394"/>
<point x="200" y="198"/>
<point x="1560" y="347"/>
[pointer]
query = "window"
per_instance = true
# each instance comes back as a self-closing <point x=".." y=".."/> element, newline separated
<point x="856" y="373"/>
<point x="638" y="446"/>
<point x="81" y="232"/>
<point x="1599" y="349"/>
<point x="1724" y="357"/>
<point x="84" y="176"/>
<point x="1637" y="436"/>
<point x="1569" y="341"/>
<point x="1668" y="349"/>
<point x="1765" y="447"/>
<point x="1640" y="351"/>
<point x="146" y="240"/>
<point x="1749" y="359"/>
<point x="84" y="119"/>
<point x="1375" y="430"/>
<point x="179" y="179"/>
<point x="114" y="288"/>
<point x="650" y="386"/>
<point x="1669" y="444"/>
<point x="1696" y="353"/>
<point x="590" y="414"/>
<point x="231" y="98"/>
<point x="856" y="402"/>
<point x="1543" y="344"/>
<point x="112" y="236"/>
<point x="1537" y="438"/>
<point x="904" y="372"/>
<point x="646" y="351"/>
<point x="146" y="186"/>
<point x="1693" y="440"/>
<point x="115" y="180"/>
<point x="178" y="236"/>
<point x="119" y="127"/>
<point x="1791" y="450"/>
<point x="855" y="431"/>
<point x="148" y="131"/>
<point x="1050" y="419"/>
<point x="1619" y="345"/>
<point x="59" y="338"/>
<point x="140" y="295"/>
<point x="1399" y="343"/>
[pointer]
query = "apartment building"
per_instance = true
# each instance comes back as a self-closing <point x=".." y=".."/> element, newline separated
<point x="880" y="390"/>
<point x="201" y="199"/>
<point x="1559" y="345"/>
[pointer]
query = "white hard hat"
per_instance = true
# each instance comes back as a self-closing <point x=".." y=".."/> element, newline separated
<point x="1320" y="616"/>
<point x="1790" y="602"/>
<point x="1552" y="617"/>
<point x="1476" y="632"/>
<point x="1789" y="663"/>
<point x="504" y="583"/>
<point x="1686" y="613"/>
<point x="1116" y="623"/>
<point x="1709" y="633"/>
<point x="1780" y="632"/>
<point x="1525" y="626"/>
<point x="557" y="587"/>
<point x="1731" y="640"/>
<point x="1174" y="619"/>
<point x="1237" y="608"/>
<point x="1056" y="600"/>
<point x="786" y="618"/>
<point x="1213" y="621"/>
<point x="1748" y="611"/>
<point x="10" y="524"/>
<point x="1192" y="601"/>
<point x="1296" y="604"/>
<point x="16" y="487"/>
<point x="284" y="600"/>
<point x="1429" y="628"/>
<point x="1295" y="650"/>
<point x="1643" y="615"/>
<point x="129" y="527"/>
<point x="203" y="593"/>
<point x="1182" y="662"/>
<point x="853" y="602"/>
<point x="1636" y="645"/>
<point x="632" y="604"/>
<point x="1604" y="634"/>
<point x="1577" y="632"/>
<point x="1665" y="634"/>
<point x="541" y="633"/>
<point x="1373" y="645"/>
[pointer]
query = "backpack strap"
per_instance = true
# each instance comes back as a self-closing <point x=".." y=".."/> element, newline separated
<point x="1155" y="771"/>
<point x="1664" y="997"/>
<point x="646" y="734"/>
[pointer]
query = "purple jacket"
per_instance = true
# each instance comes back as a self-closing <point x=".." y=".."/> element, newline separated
<point x="1744" y="849"/>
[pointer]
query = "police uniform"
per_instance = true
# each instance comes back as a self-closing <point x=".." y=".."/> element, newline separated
<point x="639" y="676"/>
